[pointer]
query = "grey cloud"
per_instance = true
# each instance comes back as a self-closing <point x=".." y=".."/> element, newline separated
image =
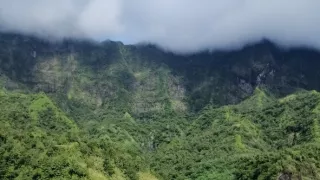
<point x="176" y="25"/>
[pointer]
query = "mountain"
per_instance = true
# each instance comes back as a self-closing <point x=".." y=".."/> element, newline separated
<point x="260" y="138"/>
<point x="77" y="109"/>
<point x="39" y="141"/>
<point x="101" y="73"/>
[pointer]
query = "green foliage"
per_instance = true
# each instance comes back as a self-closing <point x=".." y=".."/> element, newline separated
<point x="260" y="138"/>
<point x="112" y="111"/>
<point x="39" y="141"/>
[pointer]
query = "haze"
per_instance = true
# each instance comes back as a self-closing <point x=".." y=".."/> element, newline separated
<point x="182" y="26"/>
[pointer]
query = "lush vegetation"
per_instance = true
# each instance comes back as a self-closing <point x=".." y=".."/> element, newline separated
<point x="38" y="141"/>
<point x="80" y="110"/>
<point x="260" y="138"/>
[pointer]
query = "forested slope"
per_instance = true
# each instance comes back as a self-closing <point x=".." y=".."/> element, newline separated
<point x="260" y="138"/>
<point x="38" y="141"/>
<point x="85" y="110"/>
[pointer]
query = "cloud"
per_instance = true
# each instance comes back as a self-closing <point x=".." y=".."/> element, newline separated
<point x="176" y="25"/>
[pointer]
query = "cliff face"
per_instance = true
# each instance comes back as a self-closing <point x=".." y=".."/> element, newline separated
<point x="144" y="79"/>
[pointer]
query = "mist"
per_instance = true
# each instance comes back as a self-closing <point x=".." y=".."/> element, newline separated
<point x="183" y="26"/>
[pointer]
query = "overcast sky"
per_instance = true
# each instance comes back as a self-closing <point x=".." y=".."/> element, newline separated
<point x="178" y="25"/>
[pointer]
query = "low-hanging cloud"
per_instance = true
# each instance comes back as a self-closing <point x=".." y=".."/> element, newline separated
<point x="176" y="25"/>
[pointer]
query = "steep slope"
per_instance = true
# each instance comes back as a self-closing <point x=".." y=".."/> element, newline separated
<point x="260" y="138"/>
<point x="146" y="80"/>
<point x="38" y="141"/>
<point x="106" y="75"/>
<point x="84" y="110"/>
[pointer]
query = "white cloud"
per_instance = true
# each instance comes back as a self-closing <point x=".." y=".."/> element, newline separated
<point x="178" y="25"/>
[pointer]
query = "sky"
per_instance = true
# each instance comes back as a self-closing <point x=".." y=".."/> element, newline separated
<point x="183" y="26"/>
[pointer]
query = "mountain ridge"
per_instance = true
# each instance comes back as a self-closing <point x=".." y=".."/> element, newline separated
<point x="142" y="113"/>
<point x="239" y="71"/>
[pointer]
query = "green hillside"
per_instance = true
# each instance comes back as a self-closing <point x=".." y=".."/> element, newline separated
<point x="84" y="110"/>
<point x="260" y="138"/>
<point x="38" y="141"/>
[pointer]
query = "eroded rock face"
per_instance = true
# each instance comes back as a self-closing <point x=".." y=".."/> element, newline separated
<point x="246" y="87"/>
<point x="152" y="80"/>
<point x="285" y="176"/>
